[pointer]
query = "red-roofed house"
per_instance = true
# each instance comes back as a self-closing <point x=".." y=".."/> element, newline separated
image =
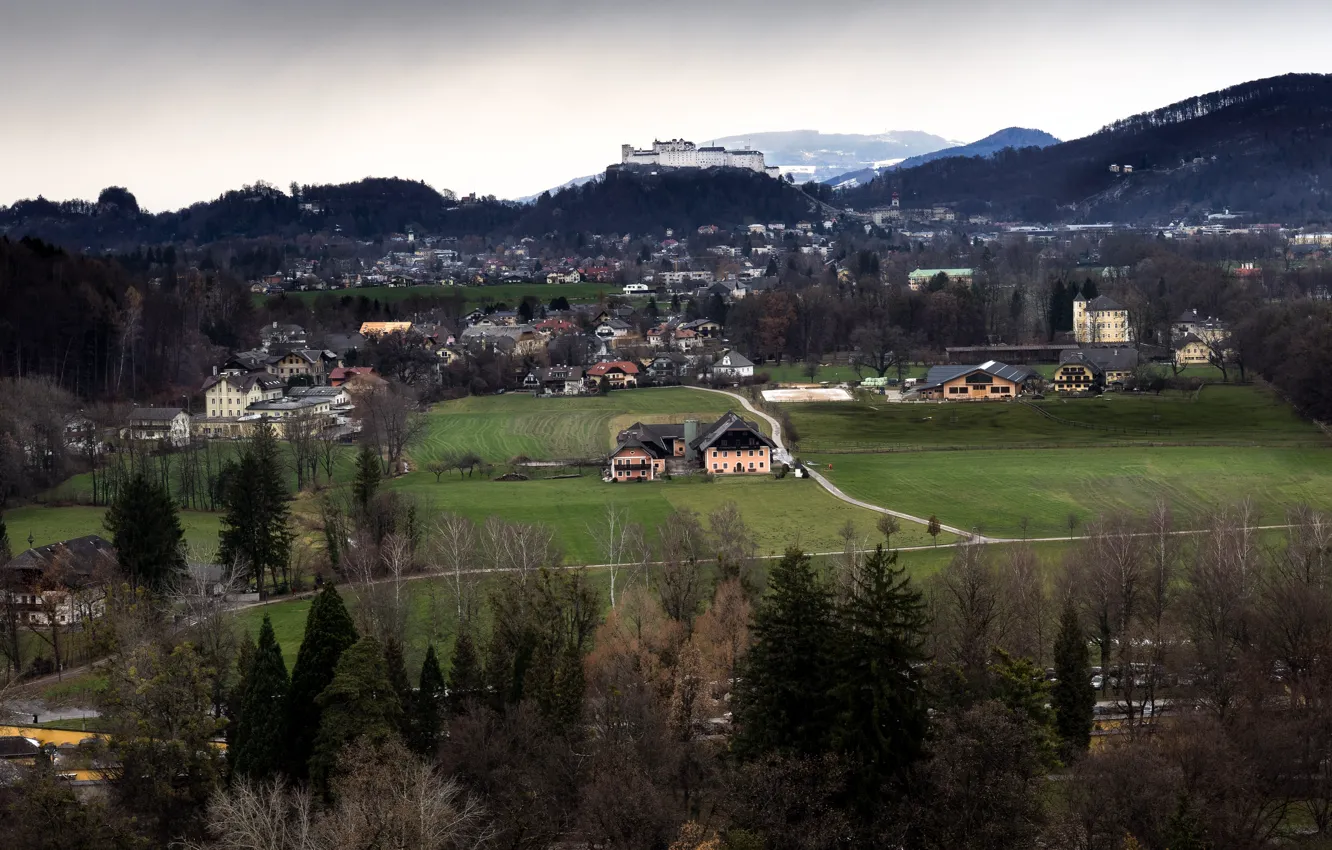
<point x="620" y="374"/>
<point x="343" y="374"/>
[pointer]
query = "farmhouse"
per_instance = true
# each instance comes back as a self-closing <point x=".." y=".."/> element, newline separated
<point x="61" y="581"/>
<point x="165" y="424"/>
<point x="1192" y="351"/>
<point x="989" y="380"/>
<point x="729" y="446"/>
<point x="1091" y="369"/>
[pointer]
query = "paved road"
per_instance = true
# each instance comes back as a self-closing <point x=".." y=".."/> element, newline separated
<point x="784" y="456"/>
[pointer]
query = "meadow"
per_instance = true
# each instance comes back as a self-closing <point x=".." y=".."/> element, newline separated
<point x="474" y="296"/>
<point x="1217" y="415"/>
<point x="992" y="491"/>
<point x="500" y="427"/>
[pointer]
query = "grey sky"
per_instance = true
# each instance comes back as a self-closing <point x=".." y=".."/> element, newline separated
<point x="180" y="100"/>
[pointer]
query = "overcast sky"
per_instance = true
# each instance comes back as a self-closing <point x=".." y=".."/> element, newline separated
<point x="179" y="100"/>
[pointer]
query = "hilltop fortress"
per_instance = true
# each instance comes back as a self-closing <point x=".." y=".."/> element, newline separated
<point x="678" y="153"/>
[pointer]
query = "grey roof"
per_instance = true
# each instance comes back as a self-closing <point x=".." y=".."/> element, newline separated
<point x="737" y="360"/>
<point x="729" y="422"/>
<point x="1103" y="302"/>
<point x="1117" y="359"/>
<point x="81" y="555"/>
<point x="154" y="414"/>
<point x="320" y="392"/>
<point x="939" y="375"/>
<point x="243" y="381"/>
<point x="17" y="747"/>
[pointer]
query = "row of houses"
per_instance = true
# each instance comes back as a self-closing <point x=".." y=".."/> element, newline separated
<point x="669" y="368"/>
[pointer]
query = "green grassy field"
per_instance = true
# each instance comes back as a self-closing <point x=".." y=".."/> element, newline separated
<point x="993" y="490"/>
<point x="49" y="525"/>
<point x="499" y="427"/>
<point x="507" y="293"/>
<point x="790" y="372"/>
<point x="1216" y="415"/>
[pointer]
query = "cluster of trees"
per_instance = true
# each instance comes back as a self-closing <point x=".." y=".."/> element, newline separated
<point x="1290" y="345"/>
<point x="99" y="332"/>
<point x="808" y="707"/>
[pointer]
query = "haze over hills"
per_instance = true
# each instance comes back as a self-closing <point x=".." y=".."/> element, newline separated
<point x="813" y="155"/>
<point x="1264" y="147"/>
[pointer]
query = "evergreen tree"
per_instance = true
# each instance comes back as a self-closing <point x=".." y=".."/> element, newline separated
<point x="329" y="631"/>
<point x="1072" y="698"/>
<point x="466" y="678"/>
<point x="258" y="748"/>
<point x="145" y="529"/>
<point x="1089" y="289"/>
<point x="366" y="482"/>
<point x="881" y="721"/>
<point x="5" y="552"/>
<point x="236" y="695"/>
<point x="782" y="699"/>
<point x="256" y="525"/>
<point x="359" y="703"/>
<point x="395" y="665"/>
<point x="428" y="706"/>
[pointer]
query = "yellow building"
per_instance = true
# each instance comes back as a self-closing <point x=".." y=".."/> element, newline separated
<point x="1192" y="351"/>
<point x="1100" y="320"/>
<point x="230" y="393"/>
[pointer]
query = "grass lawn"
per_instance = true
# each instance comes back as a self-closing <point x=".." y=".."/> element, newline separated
<point x="1217" y="415"/>
<point x="794" y="372"/>
<point x="49" y="525"/>
<point x="778" y="512"/>
<point x="994" y="490"/>
<point x="499" y="427"/>
<point x="508" y="293"/>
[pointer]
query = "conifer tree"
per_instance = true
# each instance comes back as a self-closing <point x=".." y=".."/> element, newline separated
<point x="258" y="750"/>
<point x="329" y="631"/>
<point x="783" y="694"/>
<point x="145" y="529"/>
<point x="359" y="703"/>
<point x="366" y="482"/>
<point x="236" y="695"/>
<point x="5" y="552"/>
<point x="256" y="524"/>
<point x="466" y="678"/>
<point x="1072" y="697"/>
<point x="881" y="721"/>
<point x="428" y="706"/>
<point x="395" y="664"/>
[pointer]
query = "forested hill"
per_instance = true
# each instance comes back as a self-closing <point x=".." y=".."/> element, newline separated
<point x="635" y="201"/>
<point x="364" y="209"/>
<point x="625" y="201"/>
<point x="1264" y="147"/>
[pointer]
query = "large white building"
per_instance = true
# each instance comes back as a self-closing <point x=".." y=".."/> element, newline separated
<point x="678" y="153"/>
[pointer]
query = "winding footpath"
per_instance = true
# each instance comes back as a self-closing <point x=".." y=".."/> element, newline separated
<point x="783" y="455"/>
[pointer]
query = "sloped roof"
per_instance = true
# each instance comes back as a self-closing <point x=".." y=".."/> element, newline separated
<point x="81" y="555"/>
<point x="729" y="422"/>
<point x="734" y="360"/>
<point x="939" y="375"/>
<point x="1103" y="302"/>
<point x="1110" y="359"/>
<point x="154" y="414"/>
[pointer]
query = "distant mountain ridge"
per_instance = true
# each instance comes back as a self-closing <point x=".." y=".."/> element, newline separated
<point x="1010" y="137"/>
<point x="1263" y="146"/>
<point x="819" y="156"/>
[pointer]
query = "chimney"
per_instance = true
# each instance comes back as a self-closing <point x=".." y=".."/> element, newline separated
<point x="214" y="371"/>
<point x="690" y="434"/>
